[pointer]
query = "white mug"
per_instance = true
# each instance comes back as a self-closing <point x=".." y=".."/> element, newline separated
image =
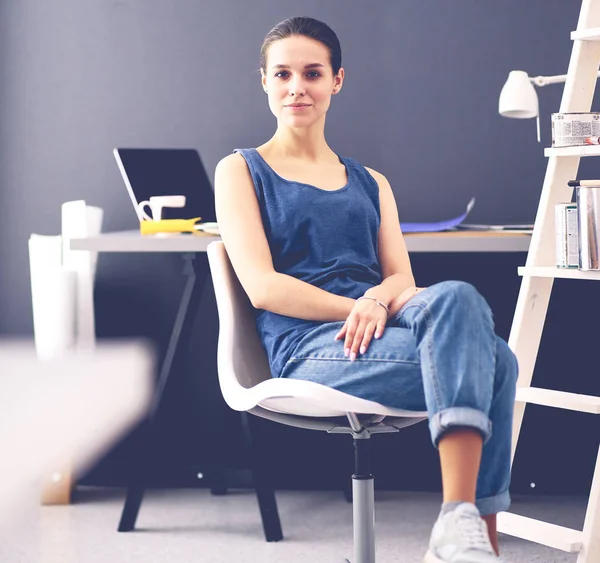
<point x="156" y="204"/>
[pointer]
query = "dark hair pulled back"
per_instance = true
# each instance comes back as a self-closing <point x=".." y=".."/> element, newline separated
<point x="308" y="27"/>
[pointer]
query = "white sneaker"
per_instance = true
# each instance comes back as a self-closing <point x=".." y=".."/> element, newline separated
<point x="460" y="536"/>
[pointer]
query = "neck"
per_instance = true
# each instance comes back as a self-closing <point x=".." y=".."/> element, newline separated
<point x="307" y="143"/>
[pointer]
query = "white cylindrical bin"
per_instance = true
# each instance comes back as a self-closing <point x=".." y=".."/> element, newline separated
<point x="588" y="226"/>
<point x="53" y="298"/>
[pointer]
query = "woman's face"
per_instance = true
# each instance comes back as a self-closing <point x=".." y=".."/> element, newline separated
<point x="299" y="80"/>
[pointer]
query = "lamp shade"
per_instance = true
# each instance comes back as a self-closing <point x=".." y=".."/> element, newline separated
<point x="518" y="98"/>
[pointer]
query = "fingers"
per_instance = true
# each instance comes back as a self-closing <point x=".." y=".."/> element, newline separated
<point x="357" y="339"/>
<point x="351" y="331"/>
<point x="359" y="329"/>
<point x="371" y="330"/>
<point x="361" y="338"/>
<point x="379" y="329"/>
<point x="342" y="332"/>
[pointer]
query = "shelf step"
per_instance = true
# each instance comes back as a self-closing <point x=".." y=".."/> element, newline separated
<point x="559" y="399"/>
<point x="584" y="150"/>
<point x="590" y="34"/>
<point x="553" y="272"/>
<point x="540" y="532"/>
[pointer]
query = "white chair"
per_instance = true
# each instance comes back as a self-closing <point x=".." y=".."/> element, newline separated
<point x="247" y="385"/>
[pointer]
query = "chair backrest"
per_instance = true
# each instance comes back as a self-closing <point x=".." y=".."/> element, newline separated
<point x="241" y="359"/>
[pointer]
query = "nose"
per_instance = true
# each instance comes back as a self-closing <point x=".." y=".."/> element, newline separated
<point x="297" y="87"/>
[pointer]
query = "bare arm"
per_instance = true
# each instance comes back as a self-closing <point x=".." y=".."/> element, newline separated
<point x="398" y="284"/>
<point x="242" y="231"/>
<point x="396" y="271"/>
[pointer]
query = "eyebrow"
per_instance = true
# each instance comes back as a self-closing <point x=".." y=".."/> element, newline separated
<point x="312" y="65"/>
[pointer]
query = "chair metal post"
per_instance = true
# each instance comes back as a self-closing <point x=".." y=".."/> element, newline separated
<point x="363" y="507"/>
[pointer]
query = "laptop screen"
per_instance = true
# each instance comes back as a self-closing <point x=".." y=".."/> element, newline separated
<point x="152" y="172"/>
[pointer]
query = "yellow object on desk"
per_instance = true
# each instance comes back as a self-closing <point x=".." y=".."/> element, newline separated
<point x="168" y="226"/>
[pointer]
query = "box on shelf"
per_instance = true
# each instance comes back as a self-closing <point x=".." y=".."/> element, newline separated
<point x="567" y="248"/>
<point x="572" y="129"/>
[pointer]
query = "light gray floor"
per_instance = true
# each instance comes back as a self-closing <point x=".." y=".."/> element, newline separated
<point x="192" y="526"/>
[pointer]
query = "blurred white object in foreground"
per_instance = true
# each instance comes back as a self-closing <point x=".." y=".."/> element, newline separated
<point x="75" y="407"/>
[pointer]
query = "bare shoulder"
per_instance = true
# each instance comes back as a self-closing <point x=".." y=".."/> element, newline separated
<point x="232" y="164"/>
<point x="233" y="175"/>
<point x="379" y="177"/>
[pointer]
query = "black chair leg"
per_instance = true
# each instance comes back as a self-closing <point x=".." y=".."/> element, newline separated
<point x="218" y="483"/>
<point x="264" y="491"/>
<point x="269" y="514"/>
<point x="131" y="509"/>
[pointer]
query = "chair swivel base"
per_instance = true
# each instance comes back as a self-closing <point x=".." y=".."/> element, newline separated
<point x="363" y="508"/>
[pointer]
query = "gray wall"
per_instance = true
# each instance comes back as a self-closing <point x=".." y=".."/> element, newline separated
<point x="419" y="104"/>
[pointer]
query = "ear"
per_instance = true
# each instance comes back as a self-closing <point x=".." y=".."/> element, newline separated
<point x="338" y="80"/>
<point x="263" y="80"/>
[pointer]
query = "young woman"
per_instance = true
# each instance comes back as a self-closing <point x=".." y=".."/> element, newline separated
<point x="315" y="240"/>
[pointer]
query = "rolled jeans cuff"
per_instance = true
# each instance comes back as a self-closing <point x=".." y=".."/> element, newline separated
<point x="493" y="505"/>
<point x="459" y="417"/>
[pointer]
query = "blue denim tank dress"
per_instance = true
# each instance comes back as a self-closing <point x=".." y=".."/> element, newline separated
<point x="327" y="238"/>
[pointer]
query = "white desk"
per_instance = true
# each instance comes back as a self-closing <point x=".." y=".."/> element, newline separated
<point x="452" y="241"/>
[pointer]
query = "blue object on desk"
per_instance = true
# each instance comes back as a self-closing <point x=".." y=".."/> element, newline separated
<point x="437" y="226"/>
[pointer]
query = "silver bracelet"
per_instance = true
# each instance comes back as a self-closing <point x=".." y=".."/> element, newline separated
<point x="375" y="299"/>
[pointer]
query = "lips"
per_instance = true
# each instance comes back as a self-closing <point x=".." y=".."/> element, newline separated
<point x="297" y="105"/>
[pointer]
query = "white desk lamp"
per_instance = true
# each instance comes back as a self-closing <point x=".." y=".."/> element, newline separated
<point x="518" y="98"/>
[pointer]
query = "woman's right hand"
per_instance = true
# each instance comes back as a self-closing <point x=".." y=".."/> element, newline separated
<point x="366" y="320"/>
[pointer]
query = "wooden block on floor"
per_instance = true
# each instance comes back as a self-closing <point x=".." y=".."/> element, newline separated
<point x="58" y="485"/>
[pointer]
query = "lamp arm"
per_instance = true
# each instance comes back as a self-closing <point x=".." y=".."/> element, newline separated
<point x="545" y="80"/>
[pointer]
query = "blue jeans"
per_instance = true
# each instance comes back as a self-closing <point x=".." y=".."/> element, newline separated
<point x="439" y="353"/>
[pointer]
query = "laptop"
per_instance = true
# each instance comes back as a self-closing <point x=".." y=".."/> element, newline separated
<point x="151" y="172"/>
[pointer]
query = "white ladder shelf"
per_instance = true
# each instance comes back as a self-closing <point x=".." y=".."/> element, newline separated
<point x="536" y="287"/>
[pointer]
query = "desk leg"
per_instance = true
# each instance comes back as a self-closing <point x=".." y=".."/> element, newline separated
<point x="196" y="270"/>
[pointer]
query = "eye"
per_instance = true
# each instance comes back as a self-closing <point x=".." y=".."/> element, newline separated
<point x="281" y="74"/>
<point x="313" y="74"/>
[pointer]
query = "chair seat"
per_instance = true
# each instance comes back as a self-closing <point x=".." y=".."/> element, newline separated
<point x="244" y="372"/>
<point x="306" y="398"/>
